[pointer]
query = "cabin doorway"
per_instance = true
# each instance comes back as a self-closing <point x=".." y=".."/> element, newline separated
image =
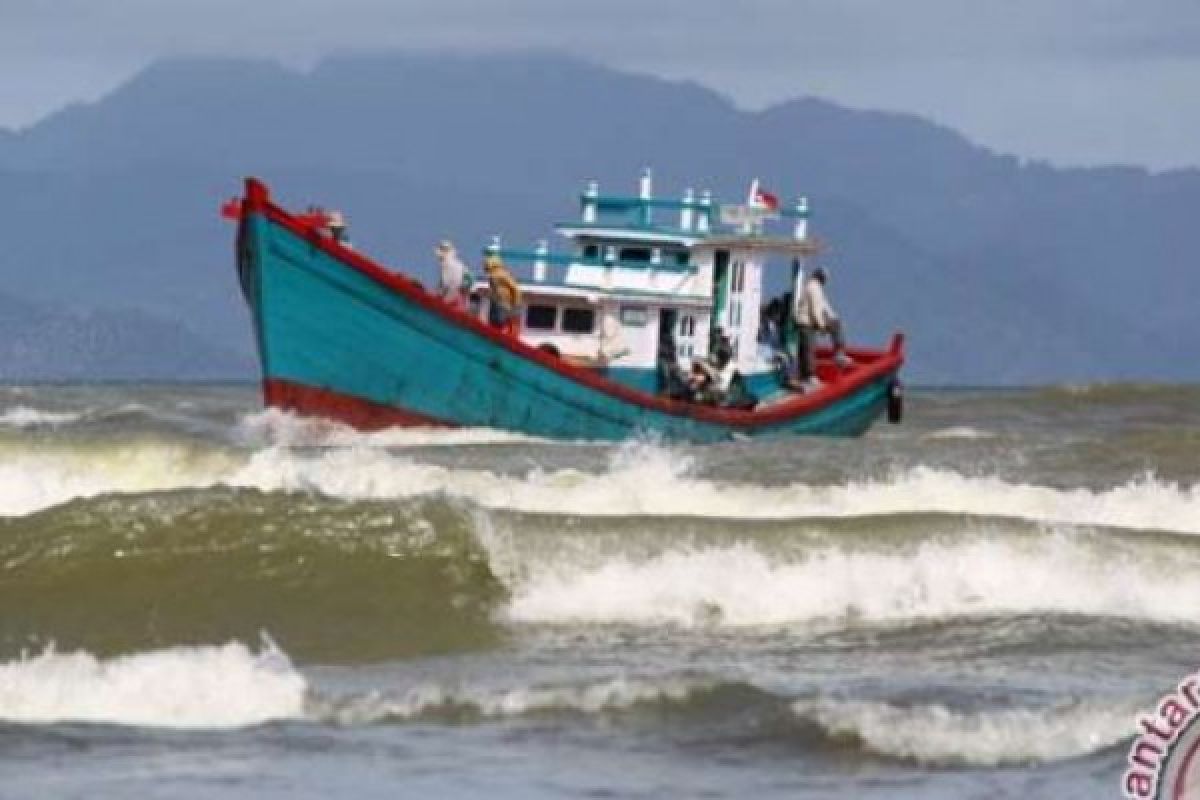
<point x="667" y="341"/>
<point x="674" y="332"/>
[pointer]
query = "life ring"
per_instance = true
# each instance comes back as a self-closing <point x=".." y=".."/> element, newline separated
<point x="895" y="402"/>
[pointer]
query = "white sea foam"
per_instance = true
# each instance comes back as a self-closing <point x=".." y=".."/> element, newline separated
<point x="936" y="735"/>
<point x="656" y="482"/>
<point x="32" y="479"/>
<point x="614" y="694"/>
<point x="26" y="417"/>
<point x="227" y="686"/>
<point x="651" y="484"/>
<point x="273" y="427"/>
<point x="960" y="432"/>
<point x="738" y="585"/>
<point x="642" y="480"/>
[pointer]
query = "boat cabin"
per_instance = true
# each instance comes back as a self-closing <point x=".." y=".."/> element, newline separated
<point x="646" y="275"/>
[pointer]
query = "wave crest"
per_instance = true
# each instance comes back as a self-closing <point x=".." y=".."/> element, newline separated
<point x="24" y="417"/>
<point x="934" y="735"/>
<point x="615" y="694"/>
<point x="642" y="480"/>
<point x="226" y="686"/>
<point x="273" y="427"/>
<point x="740" y="585"/>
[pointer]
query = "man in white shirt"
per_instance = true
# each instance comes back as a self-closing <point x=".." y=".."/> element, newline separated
<point x="452" y="273"/>
<point x="814" y="314"/>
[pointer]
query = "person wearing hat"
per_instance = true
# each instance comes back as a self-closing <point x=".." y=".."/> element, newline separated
<point x="505" y="294"/>
<point x="335" y="222"/>
<point x="813" y="314"/>
<point x="453" y="273"/>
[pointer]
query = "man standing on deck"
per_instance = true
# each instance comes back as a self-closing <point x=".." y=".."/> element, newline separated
<point x="505" y="294"/>
<point x="813" y="315"/>
<point x="452" y="273"/>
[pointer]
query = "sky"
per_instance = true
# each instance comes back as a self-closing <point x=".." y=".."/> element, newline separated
<point x="1074" y="82"/>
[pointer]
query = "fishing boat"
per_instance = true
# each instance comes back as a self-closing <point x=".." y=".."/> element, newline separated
<point x="649" y="288"/>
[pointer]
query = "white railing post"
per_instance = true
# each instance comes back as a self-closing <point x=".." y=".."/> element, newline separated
<point x="801" y="231"/>
<point x="703" y="217"/>
<point x="645" y="192"/>
<point x="589" y="202"/>
<point x="539" y="261"/>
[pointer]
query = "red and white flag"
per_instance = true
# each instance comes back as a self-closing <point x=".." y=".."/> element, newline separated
<point x="761" y="198"/>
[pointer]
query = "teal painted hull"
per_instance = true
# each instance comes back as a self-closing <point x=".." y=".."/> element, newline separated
<point x="337" y="336"/>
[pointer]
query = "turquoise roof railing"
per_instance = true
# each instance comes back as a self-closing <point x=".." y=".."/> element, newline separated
<point x="698" y="213"/>
<point x="640" y="208"/>
<point x="617" y="204"/>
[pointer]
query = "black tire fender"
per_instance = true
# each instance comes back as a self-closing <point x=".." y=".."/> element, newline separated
<point x="895" y="402"/>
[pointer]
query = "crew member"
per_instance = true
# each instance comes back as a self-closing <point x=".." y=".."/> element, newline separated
<point x="814" y="314"/>
<point x="505" y="294"/>
<point x="452" y="274"/>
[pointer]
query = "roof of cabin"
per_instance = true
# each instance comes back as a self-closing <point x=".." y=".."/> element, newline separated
<point x="770" y="244"/>
<point x="656" y="234"/>
<point x="591" y="294"/>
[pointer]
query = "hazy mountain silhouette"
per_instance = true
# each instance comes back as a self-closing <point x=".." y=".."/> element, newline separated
<point x="1001" y="271"/>
<point x="36" y="344"/>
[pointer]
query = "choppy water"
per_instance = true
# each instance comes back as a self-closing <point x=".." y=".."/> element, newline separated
<point x="199" y="598"/>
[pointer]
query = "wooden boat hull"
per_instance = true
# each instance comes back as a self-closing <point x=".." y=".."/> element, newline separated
<point x="341" y="337"/>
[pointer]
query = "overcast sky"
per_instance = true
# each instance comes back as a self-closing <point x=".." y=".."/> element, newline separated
<point x="1073" y="81"/>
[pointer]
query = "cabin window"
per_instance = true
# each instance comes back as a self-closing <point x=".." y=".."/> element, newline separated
<point x="681" y="258"/>
<point x="591" y="252"/>
<point x="636" y="254"/>
<point x="541" y="318"/>
<point x="578" y="320"/>
<point x="634" y="316"/>
<point x="687" y="325"/>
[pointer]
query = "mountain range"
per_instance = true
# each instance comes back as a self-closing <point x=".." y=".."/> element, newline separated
<point x="1000" y="270"/>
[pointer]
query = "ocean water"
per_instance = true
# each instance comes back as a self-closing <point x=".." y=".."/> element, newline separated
<point x="200" y="598"/>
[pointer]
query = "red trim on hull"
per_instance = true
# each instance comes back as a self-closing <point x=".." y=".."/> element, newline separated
<point x="883" y="363"/>
<point x="353" y="411"/>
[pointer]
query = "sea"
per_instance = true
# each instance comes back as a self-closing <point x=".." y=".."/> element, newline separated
<point x="200" y="598"/>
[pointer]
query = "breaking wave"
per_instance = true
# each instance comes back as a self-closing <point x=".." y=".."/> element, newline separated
<point x="23" y="417"/>
<point x="342" y="581"/>
<point x="273" y="427"/>
<point x="433" y="700"/>
<point x="641" y="480"/>
<point x="297" y="527"/>
<point x="742" y="584"/>
<point x="654" y="481"/>
<point x="935" y="735"/>
<point x="228" y="686"/>
<point x="36" y="477"/>
<point x="232" y="686"/>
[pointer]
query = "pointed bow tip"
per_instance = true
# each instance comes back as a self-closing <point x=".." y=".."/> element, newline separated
<point x="257" y="193"/>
